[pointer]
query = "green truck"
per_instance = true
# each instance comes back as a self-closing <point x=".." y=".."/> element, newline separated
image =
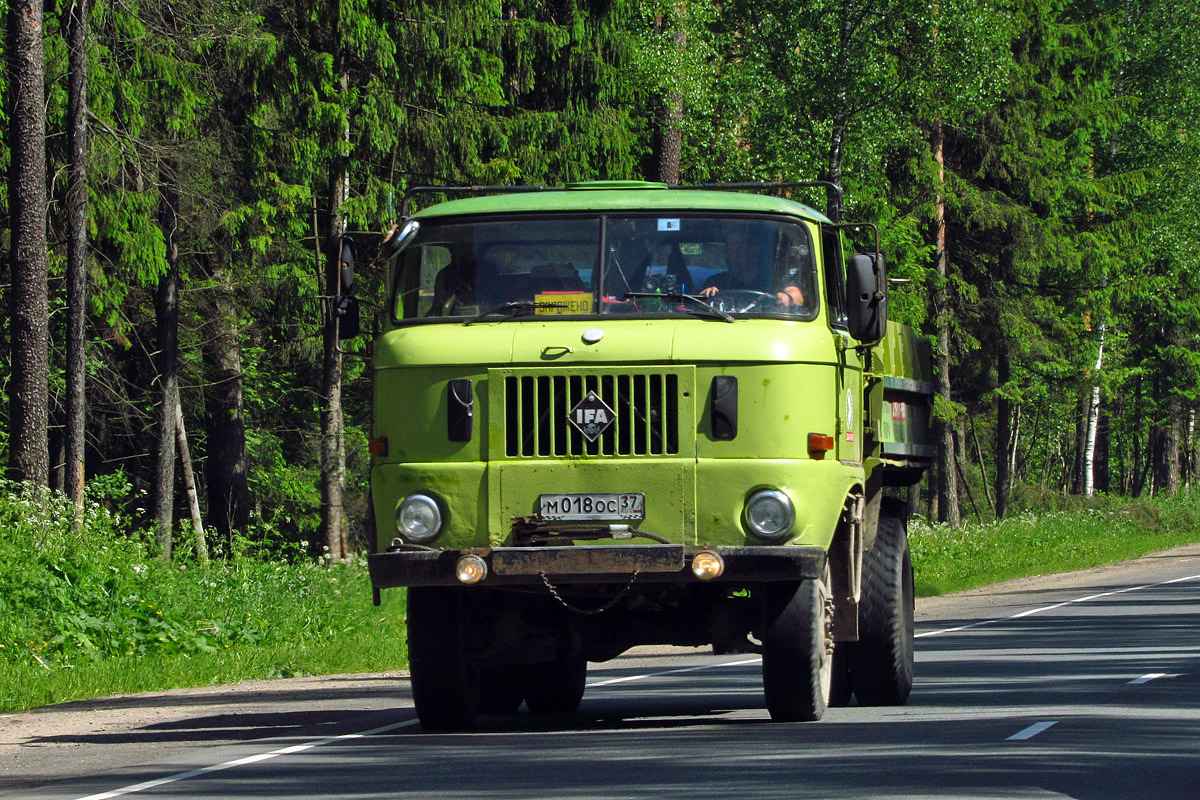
<point x="621" y="413"/>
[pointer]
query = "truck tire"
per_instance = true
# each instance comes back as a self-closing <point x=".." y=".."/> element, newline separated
<point x="797" y="638"/>
<point x="840" y="688"/>
<point x="556" y="687"/>
<point x="445" y="685"/>
<point x="503" y="691"/>
<point x="881" y="661"/>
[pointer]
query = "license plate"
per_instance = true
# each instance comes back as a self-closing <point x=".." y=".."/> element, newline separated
<point x="595" y="506"/>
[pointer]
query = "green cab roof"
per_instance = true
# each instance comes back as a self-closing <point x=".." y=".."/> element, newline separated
<point x="610" y="196"/>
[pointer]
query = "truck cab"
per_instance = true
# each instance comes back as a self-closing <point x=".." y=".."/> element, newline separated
<point x="620" y="413"/>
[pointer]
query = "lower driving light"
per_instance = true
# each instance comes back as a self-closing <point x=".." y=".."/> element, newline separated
<point x="707" y="565"/>
<point x="769" y="514"/>
<point x="419" y="518"/>
<point x="471" y="569"/>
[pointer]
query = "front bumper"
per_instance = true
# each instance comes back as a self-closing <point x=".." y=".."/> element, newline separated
<point x="518" y="566"/>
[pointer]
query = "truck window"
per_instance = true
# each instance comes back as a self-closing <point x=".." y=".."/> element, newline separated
<point x="552" y="266"/>
<point x="835" y="276"/>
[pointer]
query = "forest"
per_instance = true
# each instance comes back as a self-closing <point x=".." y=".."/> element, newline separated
<point x="180" y="172"/>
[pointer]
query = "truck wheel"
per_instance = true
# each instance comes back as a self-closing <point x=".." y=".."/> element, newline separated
<point x="556" y="687"/>
<point x="445" y="685"/>
<point x="881" y="661"/>
<point x="797" y="638"/>
<point x="503" y="691"/>
<point x="840" y="688"/>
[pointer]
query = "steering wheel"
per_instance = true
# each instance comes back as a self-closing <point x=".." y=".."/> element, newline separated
<point x="741" y="301"/>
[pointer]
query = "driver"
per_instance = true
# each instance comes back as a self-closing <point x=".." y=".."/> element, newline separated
<point x="743" y="259"/>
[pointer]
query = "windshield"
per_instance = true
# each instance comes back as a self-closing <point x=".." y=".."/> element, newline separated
<point x="552" y="266"/>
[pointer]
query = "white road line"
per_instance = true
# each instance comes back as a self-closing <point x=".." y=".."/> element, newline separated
<point x="298" y="748"/>
<point x="628" y="678"/>
<point x="1030" y="732"/>
<point x="1030" y="612"/>
<point x="1147" y="678"/>
<point x="240" y="762"/>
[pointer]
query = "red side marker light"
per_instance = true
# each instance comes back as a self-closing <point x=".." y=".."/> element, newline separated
<point x="819" y="444"/>
<point x="378" y="447"/>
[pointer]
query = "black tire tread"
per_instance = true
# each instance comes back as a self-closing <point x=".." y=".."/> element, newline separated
<point x="503" y="690"/>
<point x="841" y="689"/>
<point x="881" y="662"/>
<point x="445" y="686"/>
<point x="556" y="687"/>
<point x="793" y="630"/>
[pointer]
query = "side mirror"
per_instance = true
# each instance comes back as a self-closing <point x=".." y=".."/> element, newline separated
<point x="866" y="297"/>
<point x="399" y="238"/>
<point x="345" y="311"/>
<point x="346" y="264"/>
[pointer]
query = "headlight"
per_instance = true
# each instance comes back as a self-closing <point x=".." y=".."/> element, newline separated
<point x="769" y="514"/>
<point x="419" y="518"/>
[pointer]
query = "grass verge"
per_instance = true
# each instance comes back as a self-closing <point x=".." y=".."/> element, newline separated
<point x="90" y="611"/>
<point x="1109" y="530"/>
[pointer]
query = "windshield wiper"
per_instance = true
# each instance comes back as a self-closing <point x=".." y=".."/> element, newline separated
<point x="512" y="309"/>
<point x="691" y="299"/>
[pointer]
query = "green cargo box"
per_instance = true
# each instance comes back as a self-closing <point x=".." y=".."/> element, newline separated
<point x="901" y="404"/>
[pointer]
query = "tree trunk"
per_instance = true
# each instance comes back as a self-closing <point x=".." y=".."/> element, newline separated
<point x="333" y="462"/>
<point x="224" y="418"/>
<point x="189" y="484"/>
<point x="166" y="310"/>
<point x="1100" y="466"/>
<point x="1190" y="448"/>
<point x="983" y="476"/>
<point x="76" y="423"/>
<point x="668" y="121"/>
<point x="29" y="454"/>
<point x="1093" y="420"/>
<point x="1006" y="433"/>
<point x="841" y="112"/>
<point x="947" y="498"/>
<point x="1166" y="451"/>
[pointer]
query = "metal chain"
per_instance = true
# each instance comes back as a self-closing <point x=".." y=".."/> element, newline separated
<point x="584" y="611"/>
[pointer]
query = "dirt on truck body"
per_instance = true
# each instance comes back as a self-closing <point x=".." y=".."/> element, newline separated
<point x="621" y="413"/>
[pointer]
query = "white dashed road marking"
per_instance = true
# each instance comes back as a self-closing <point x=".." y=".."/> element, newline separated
<point x="1147" y="678"/>
<point x="1030" y="732"/>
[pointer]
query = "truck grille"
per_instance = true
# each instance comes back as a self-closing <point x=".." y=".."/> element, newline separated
<point x="646" y="405"/>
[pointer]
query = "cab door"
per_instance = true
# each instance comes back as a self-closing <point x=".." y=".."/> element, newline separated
<point x="848" y="403"/>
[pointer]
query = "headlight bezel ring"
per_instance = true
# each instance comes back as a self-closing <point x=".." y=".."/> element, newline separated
<point x="420" y="518"/>
<point x="769" y="503"/>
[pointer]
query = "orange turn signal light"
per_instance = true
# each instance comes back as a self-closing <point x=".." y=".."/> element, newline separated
<point x="819" y="442"/>
<point x="378" y="447"/>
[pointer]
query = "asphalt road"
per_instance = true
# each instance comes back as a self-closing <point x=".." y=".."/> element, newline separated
<point x="1082" y="686"/>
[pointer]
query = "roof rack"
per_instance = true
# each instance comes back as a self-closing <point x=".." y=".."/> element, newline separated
<point x="836" y="200"/>
<point x="416" y="190"/>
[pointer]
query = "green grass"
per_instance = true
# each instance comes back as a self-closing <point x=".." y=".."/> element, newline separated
<point x="1109" y="530"/>
<point x="92" y="611"/>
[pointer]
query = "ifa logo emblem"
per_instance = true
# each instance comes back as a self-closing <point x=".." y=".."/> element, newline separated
<point x="591" y="416"/>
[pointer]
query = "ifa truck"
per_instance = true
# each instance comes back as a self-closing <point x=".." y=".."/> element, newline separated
<point x="615" y="414"/>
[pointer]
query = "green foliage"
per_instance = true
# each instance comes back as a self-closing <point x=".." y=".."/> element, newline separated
<point x="83" y="597"/>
